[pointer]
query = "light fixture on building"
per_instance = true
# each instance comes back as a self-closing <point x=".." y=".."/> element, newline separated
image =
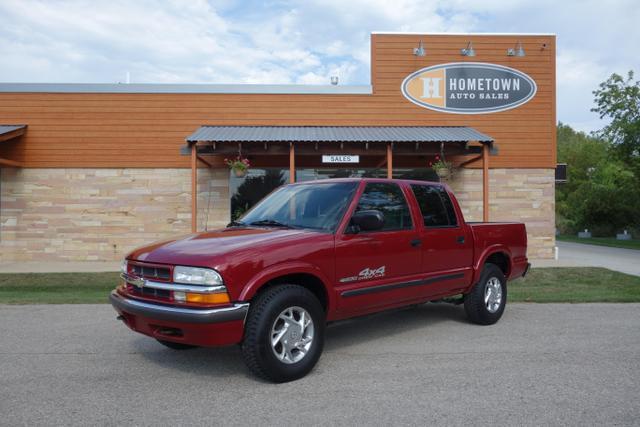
<point x="419" y="51"/>
<point x="334" y="80"/>
<point x="517" y="51"/>
<point x="468" y="51"/>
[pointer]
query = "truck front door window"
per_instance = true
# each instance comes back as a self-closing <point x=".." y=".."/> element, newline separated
<point x="388" y="199"/>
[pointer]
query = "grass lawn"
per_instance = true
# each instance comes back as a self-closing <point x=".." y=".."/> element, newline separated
<point x="562" y="284"/>
<point x="57" y="288"/>
<point x="603" y="241"/>
<point x="575" y="284"/>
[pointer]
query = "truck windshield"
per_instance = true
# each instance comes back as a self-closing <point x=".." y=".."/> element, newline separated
<point x="317" y="206"/>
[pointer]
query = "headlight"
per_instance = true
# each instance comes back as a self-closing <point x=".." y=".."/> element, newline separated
<point x="123" y="266"/>
<point x="196" y="276"/>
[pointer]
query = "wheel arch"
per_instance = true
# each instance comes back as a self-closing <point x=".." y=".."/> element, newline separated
<point x="305" y="275"/>
<point x="499" y="255"/>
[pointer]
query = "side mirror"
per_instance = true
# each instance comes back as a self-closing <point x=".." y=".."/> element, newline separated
<point x="370" y="220"/>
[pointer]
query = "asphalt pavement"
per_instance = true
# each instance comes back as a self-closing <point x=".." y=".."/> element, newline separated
<point x="542" y="364"/>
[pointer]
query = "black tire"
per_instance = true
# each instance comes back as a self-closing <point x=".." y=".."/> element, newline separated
<point x="474" y="303"/>
<point x="257" y="352"/>
<point x="176" y="345"/>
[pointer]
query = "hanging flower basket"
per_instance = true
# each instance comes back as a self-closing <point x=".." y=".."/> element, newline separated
<point x="443" y="172"/>
<point x="239" y="166"/>
<point x="443" y="168"/>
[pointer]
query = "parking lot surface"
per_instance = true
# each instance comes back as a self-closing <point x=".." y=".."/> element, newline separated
<point x="541" y="364"/>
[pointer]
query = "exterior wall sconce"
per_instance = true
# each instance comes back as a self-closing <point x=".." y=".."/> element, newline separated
<point x="468" y="51"/>
<point x="517" y="51"/>
<point x="419" y="51"/>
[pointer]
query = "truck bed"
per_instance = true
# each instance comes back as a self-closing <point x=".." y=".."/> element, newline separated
<point x="510" y="237"/>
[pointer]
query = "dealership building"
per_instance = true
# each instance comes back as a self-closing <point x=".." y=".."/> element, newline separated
<point x="91" y="171"/>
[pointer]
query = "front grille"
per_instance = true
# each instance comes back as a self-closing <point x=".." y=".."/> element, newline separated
<point x="151" y="292"/>
<point x="151" y="272"/>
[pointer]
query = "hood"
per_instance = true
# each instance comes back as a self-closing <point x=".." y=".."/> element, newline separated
<point x="209" y="248"/>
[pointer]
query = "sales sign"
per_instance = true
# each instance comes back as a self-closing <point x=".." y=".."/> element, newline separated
<point x="468" y="88"/>
<point x="340" y="158"/>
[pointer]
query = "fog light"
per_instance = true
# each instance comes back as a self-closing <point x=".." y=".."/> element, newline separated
<point x="179" y="296"/>
<point x="219" y="298"/>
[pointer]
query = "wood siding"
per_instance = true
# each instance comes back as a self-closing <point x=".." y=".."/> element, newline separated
<point x="146" y="130"/>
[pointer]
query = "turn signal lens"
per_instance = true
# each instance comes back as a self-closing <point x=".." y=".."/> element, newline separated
<point x="219" y="298"/>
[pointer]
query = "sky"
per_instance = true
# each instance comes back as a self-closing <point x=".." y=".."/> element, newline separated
<point x="301" y="42"/>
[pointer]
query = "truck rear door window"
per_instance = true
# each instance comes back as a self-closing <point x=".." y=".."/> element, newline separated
<point x="435" y="206"/>
<point x="388" y="199"/>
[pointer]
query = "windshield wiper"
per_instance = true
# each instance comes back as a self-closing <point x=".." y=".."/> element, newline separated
<point x="270" y="222"/>
<point x="235" y="223"/>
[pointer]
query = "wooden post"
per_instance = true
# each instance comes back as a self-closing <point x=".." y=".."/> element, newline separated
<point x="389" y="161"/>
<point x="485" y="182"/>
<point x="292" y="163"/>
<point x="194" y="189"/>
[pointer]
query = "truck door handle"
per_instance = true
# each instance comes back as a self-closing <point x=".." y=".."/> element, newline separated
<point x="416" y="242"/>
<point x="460" y="239"/>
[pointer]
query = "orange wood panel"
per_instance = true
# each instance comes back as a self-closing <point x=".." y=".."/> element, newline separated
<point x="147" y="130"/>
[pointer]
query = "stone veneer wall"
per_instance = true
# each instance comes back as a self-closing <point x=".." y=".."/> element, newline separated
<point x="100" y="214"/>
<point x="520" y="195"/>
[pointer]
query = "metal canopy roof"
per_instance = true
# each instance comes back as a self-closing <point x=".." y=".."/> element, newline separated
<point x="396" y="134"/>
<point x="11" y="131"/>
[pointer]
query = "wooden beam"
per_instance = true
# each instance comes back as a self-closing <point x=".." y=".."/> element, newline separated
<point x="292" y="163"/>
<point x="13" y="134"/>
<point x="466" y="162"/>
<point x="205" y="161"/>
<point x="485" y="183"/>
<point x="389" y="161"/>
<point x="194" y="189"/>
<point x="12" y="163"/>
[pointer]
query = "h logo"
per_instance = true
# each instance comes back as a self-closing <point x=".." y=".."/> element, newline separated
<point x="431" y="87"/>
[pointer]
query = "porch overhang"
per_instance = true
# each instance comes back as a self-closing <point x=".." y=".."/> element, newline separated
<point x="309" y="140"/>
<point x="9" y="133"/>
<point x="295" y="141"/>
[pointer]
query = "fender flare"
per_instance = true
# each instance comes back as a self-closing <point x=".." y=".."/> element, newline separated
<point x="284" y="269"/>
<point x="493" y="249"/>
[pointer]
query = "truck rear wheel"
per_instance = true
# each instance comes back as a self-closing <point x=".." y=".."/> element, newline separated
<point x="284" y="333"/>
<point x="485" y="303"/>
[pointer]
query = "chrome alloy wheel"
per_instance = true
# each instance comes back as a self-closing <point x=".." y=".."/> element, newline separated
<point x="493" y="294"/>
<point x="292" y="335"/>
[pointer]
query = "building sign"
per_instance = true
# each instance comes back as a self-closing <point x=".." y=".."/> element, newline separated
<point x="340" y="158"/>
<point x="468" y="88"/>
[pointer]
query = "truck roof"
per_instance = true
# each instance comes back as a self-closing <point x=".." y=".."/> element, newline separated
<point x="367" y="179"/>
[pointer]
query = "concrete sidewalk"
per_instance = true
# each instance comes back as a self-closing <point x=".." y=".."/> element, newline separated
<point x="585" y="255"/>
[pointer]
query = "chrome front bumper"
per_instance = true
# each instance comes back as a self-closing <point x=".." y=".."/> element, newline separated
<point x="178" y="314"/>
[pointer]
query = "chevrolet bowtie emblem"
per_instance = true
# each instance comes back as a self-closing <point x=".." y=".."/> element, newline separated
<point x="133" y="280"/>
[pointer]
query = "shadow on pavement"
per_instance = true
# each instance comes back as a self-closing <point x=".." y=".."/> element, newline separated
<point x="222" y="362"/>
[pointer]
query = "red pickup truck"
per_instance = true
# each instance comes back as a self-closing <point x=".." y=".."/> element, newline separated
<point x="315" y="252"/>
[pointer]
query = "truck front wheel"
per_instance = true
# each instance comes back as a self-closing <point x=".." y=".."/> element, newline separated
<point x="485" y="303"/>
<point x="284" y="333"/>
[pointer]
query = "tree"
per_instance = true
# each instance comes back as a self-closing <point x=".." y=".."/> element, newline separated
<point x="601" y="193"/>
<point x="618" y="99"/>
